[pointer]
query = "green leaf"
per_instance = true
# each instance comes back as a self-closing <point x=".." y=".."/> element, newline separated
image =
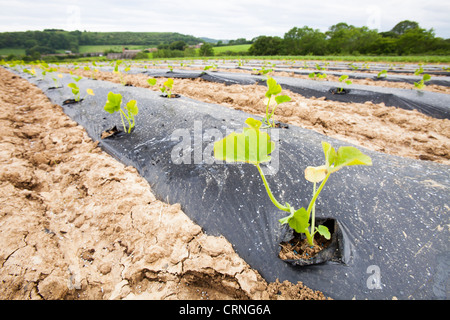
<point x="282" y="98"/>
<point x="273" y="88"/>
<point x="350" y="156"/>
<point x="72" y="85"/>
<point x="426" y="77"/>
<point x="323" y="231"/>
<point x="169" y="83"/>
<point x="113" y="103"/>
<point x="253" y="123"/>
<point x="151" y="81"/>
<point x="251" y="146"/>
<point x="349" y="82"/>
<point x="343" y="77"/>
<point x="132" y="107"/>
<point x="329" y="152"/>
<point x="299" y="221"/>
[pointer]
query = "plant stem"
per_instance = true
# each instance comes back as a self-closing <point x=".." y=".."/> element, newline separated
<point x="123" y="123"/>
<point x="316" y="194"/>
<point x="267" y="112"/>
<point x="275" y="202"/>
<point x="313" y="216"/>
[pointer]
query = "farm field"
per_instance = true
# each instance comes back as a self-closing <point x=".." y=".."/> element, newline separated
<point x="121" y="220"/>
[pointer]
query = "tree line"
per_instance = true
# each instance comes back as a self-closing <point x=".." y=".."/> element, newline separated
<point x="50" y="40"/>
<point x="406" y="38"/>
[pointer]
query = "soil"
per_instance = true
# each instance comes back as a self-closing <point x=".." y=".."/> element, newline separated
<point x="77" y="224"/>
<point x="391" y="130"/>
<point x="299" y="248"/>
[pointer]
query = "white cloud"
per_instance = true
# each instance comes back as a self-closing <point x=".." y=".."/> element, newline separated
<point x="230" y="19"/>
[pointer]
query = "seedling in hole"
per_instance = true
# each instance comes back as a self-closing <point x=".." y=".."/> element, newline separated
<point x="117" y="71"/>
<point x="76" y="91"/>
<point x="213" y="67"/>
<point x="113" y="104"/>
<point x="273" y="91"/>
<point x="382" y="73"/>
<point x="254" y="146"/>
<point x="421" y="84"/>
<point x="55" y="80"/>
<point x="319" y="75"/>
<point x="263" y="71"/>
<point x="425" y="77"/>
<point x="166" y="88"/>
<point x="343" y="79"/>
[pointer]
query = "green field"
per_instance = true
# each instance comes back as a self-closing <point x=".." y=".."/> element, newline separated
<point x="236" y="48"/>
<point x="14" y="51"/>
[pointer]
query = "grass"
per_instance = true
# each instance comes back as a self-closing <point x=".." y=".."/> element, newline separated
<point x="236" y="48"/>
<point x="14" y="51"/>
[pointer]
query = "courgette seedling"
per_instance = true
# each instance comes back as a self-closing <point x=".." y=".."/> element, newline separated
<point x="425" y="77"/>
<point x="273" y="91"/>
<point x="114" y="104"/>
<point x="320" y="75"/>
<point x="343" y="79"/>
<point x="255" y="146"/>
<point x="382" y="73"/>
<point x="56" y="81"/>
<point x="76" y="91"/>
<point x="166" y="88"/>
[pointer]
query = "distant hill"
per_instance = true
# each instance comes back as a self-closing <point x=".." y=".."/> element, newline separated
<point x="206" y="39"/>
<point x="50" y="40"/>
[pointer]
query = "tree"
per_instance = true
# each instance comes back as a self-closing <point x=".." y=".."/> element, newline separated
<point x="403" y="26"/>
<point x="304" y="41"/>
<point x="266" y="46"/>
<point x="206" y="50"/>
<point x="177" y="45"/>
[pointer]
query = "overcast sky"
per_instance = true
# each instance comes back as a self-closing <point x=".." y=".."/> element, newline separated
<point x="230" y="19"/>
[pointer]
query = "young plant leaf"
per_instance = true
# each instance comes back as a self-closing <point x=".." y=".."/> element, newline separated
<point x="323" y="231"/>
<point x="299" y="220"/>
<point x="330" y="153"/>
<point x="132" y="107"/>
<point x="113" y="103"/>
<point x="251" y="146"/>
<point x="169" y="83"/>
<point x="282" y="98"/>
<point x="151" y="81"/>
<point x="273" y="88"/>
<point x="316" y="174"/>
<point x="350" y="156"/>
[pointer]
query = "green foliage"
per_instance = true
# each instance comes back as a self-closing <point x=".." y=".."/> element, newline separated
<point x="343" y="79"/>
<point x="254" y="146"/>
<point x="166" y="88"/>
<point x="382" y="73"/>
<point x="113" y="104"/>
<point x="404" y="39"/>
<point x="206" y="50"/>
<point x="273" y="91"/>
<point x="266" y="46"/>
<point x="76" y="91"/>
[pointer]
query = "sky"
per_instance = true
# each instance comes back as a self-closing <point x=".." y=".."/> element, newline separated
<point x="226" y="20"/>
